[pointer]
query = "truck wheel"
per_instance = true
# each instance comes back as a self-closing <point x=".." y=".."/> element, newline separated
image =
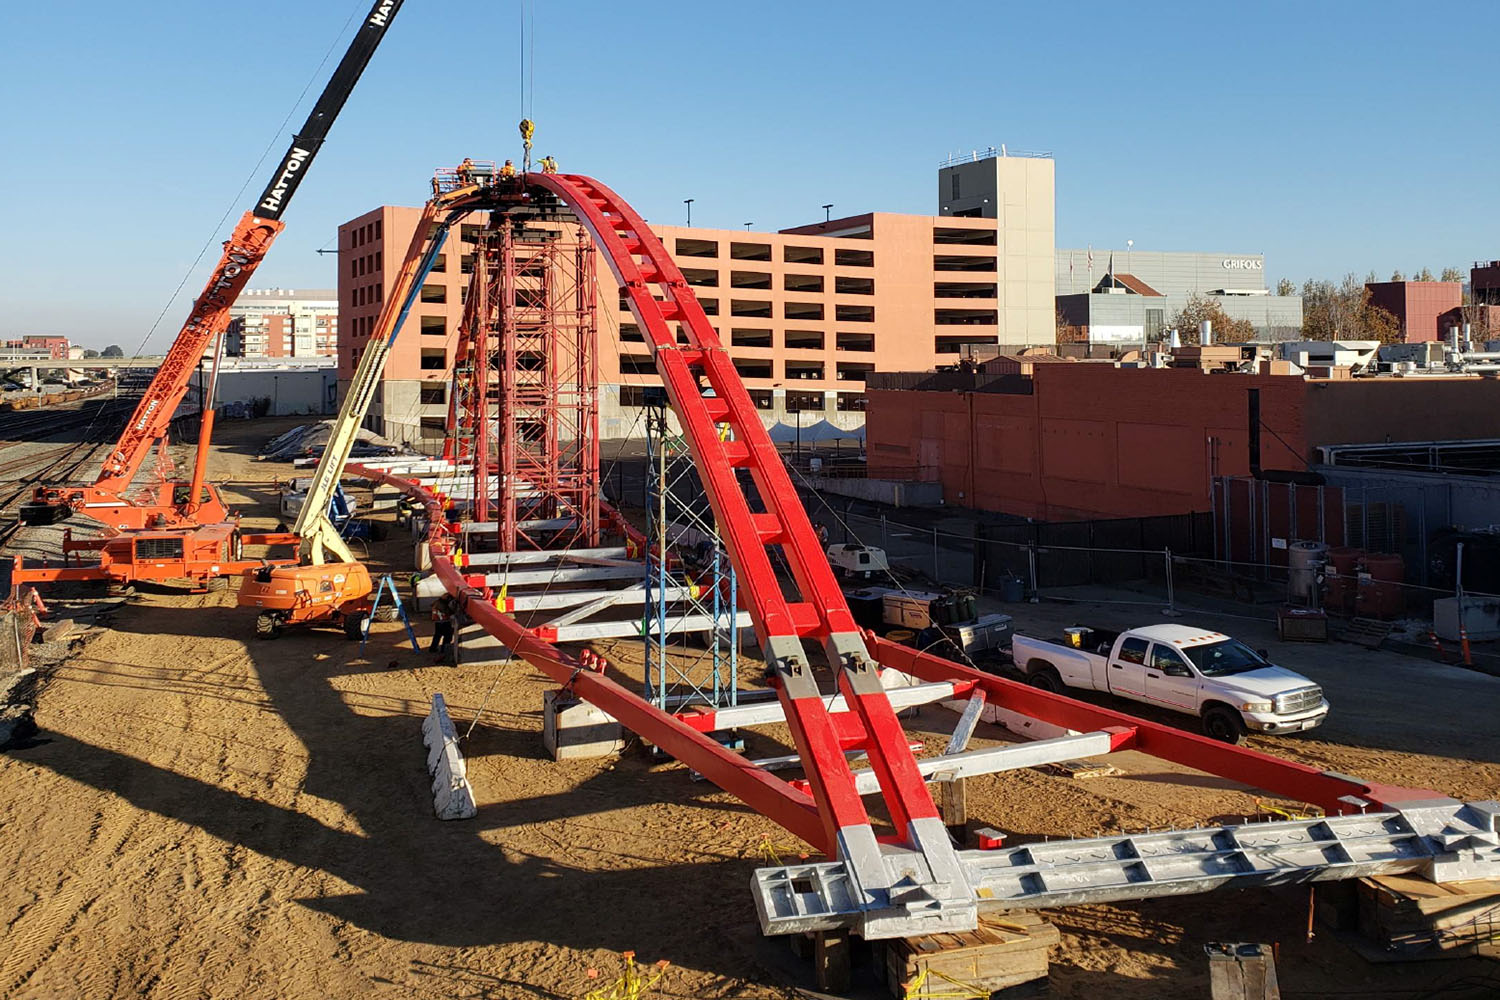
<point x="1223" y="724"/>
<point x="1046" y="679"/>
<point x="354" y="624"/>
<point x="267" y="626"/>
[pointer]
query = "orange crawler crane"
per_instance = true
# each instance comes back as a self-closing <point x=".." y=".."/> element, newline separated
<point x="172" y="529"/>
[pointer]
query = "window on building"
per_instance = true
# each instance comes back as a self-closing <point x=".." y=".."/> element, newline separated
<point x="434" y="359"/>
<point x="809" y="370"/>
<point x="434" y="428"/>
<point x="697" y="248"/>
<point x="854" y="258"/>
<point x="750" y="251"/>
<point x="802" y="282"/>
<point x="853" y="371"/>
<point x="985" y="237"/>
<point x="854" y="314"/>
<point x="764" y="399"/>
<point x="630" y="333"/>
<point x="434" y="326"/>
<point x="749" y="338"/>
<point x="441" y="264"/>
<point x="804" y="340"/>
<point x="469" y="234"/>
<point x="802" y="310"/>
<point x="434" y="395"/>
<point x="955" y="262"/>
<point x="749" y="307"/>
<point x="854" y="341"/>
<point x="965" y="317"/>
<point x="963" y="290"/>
<point x="963" y="344"/>
<point x="854" y="286"/>
<point x="701" y="277"/>
<point x="802" y="255"/>
<point x="953" y="177"/>
<point x="434" y="293"/>
<point x="749" y="279"/>
<point x="851" y="402"/>
<point x="801" y="402"/>
<point x="637" y="364"/>
<point x="752" y="368"/>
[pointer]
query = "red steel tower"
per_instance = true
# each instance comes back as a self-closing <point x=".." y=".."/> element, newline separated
<point x="525" y="396"/>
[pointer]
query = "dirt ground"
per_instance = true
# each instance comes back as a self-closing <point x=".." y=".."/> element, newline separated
<point x="208" y="815"/>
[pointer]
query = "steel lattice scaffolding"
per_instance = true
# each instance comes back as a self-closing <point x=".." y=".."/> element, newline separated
<point x="688" y="574"/>
<point x="524" y="401"/>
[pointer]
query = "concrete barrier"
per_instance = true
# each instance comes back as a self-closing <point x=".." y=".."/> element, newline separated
<point x="452" y="795"/>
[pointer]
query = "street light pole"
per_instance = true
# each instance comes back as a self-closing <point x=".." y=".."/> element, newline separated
<point x="689" y="203"/>
<point x="826" y="209"/>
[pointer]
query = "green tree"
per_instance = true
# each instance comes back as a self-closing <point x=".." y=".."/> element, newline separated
<point x="89" y="352"/>
<point x="1451" y="274"/>
<point x="1197" y="309"/>
<point x="112" y="351"/>
<point x="1424" y="275"/>
<point x="1396" y="275"/>
<point x="1285" y="287"/>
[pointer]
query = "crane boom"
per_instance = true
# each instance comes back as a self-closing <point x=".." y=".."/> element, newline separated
<point x="243" y="252"/>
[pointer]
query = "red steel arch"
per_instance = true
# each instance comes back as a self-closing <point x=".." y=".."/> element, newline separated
<point x="922" y="887"/>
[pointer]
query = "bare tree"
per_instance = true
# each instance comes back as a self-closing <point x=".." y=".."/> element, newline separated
<point x="1285" y="287"/>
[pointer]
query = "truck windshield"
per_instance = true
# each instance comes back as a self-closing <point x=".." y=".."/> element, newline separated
<point x="1228" y="657"/>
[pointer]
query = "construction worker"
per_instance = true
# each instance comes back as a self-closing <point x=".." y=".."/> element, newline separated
<point x="549" y="165"/>
<point x="443" y="611"/>
<point x="466" y="172"/>
<point x="508" y="172"/>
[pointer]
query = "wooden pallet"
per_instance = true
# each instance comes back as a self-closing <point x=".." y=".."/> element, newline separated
<point x="1081" y="769"/>
<point x="1005" y="950"/>
<point x="1410" y="917"/>
<point x="1367" y="632"/>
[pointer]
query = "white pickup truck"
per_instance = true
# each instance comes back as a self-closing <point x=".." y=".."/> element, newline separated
<point x="1229" y="686"/>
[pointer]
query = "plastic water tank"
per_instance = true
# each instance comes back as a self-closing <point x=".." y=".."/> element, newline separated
<point x="1303" y="561"/>
<point x="1379" y="594"/>
<point x="1342" y="561"/>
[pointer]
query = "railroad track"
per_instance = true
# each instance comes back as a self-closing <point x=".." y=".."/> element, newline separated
<point x="29" y="424"/>
<point x="24" y="473"/>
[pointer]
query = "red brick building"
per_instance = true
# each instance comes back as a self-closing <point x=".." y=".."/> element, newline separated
<point x="1073" y="441"/>
<point x="1417" y="305"/>
<point x="56" y="347"/>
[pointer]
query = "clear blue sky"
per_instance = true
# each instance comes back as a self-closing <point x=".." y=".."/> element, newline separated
<point x="1332" y="136"/>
